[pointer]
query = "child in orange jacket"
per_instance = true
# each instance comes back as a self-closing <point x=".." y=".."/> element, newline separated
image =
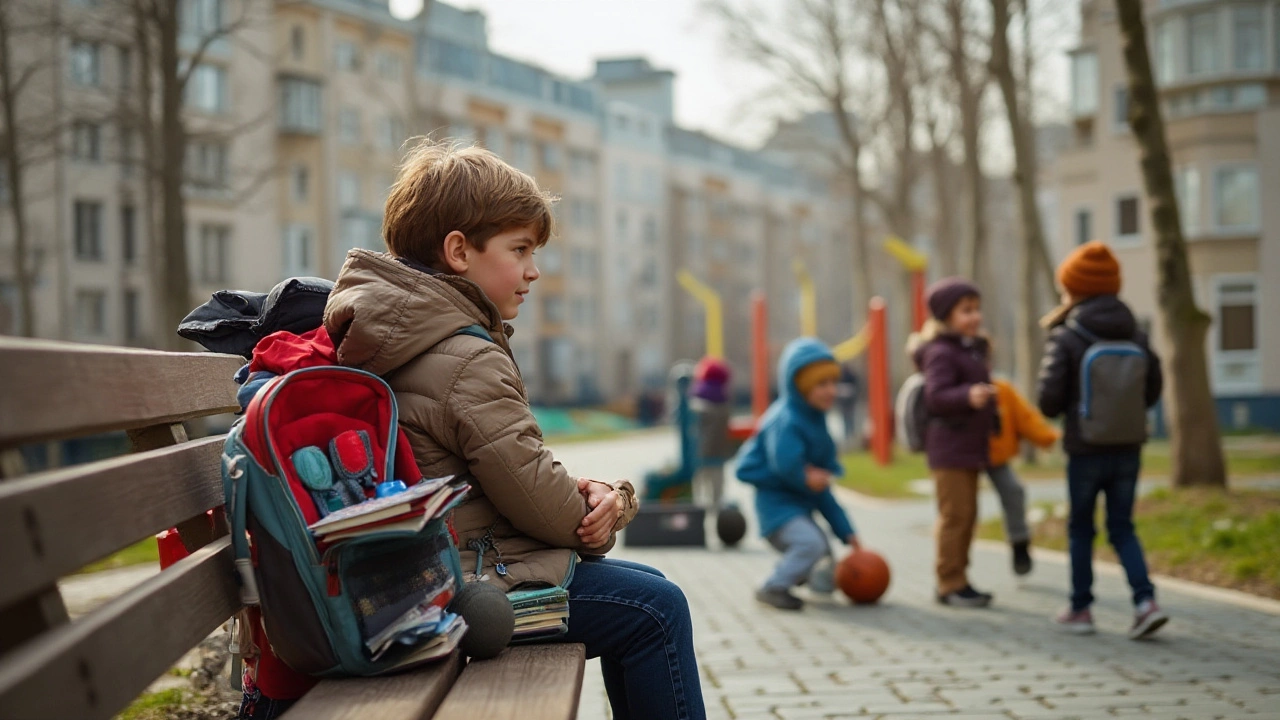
<point x="1018" y="420"/>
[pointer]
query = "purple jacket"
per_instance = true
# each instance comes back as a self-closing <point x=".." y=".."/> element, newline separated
<point x="957" y="437"/>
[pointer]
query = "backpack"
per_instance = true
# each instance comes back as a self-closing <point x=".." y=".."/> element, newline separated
<point x="1113" y="382"/>
<point x="323" y="605"/>
<point x="910" y="414"/>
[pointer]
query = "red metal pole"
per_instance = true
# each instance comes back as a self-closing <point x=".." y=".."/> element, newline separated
<point x="878" y="383"/>
<point x="919" y="311"/>
<point x="759" y="354"/>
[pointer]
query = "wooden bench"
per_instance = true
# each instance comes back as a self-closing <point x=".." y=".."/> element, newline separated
<point x="55" y="522"/>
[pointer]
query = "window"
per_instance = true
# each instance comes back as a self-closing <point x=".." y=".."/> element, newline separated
<point x="346" y="56"/>
<point x="553" y="309"/>
<point x="622" y="180"/>
<point x="301" y="183"/>
<point x="86" y="63"/>
<point x="126" y="68"/>
<point x="621" y="122"/>
<point x="128" y="234"/>
<point x="1120" y="108"/>
<point x="298" y="42"/>
<point x="300" y="105"/>
<point x="201" y="18"/>
<point x="91" y="313"/>
<point x="582" y="164"/>
<point x="86" y="142"/>
<point x="390" y="133"/>
<point x="1248" y="24"/>
<point x="549" y="156"/>
<point x="383" y="186"/>
<point x="1084" y="84"/>
<point x="550" y="260"/>
<point x="215" y="244"/>
<point x="1083" y="226"/>
<point x="621" y="223"/>
<point x="207" y="166"/>
<point x="348" y="190"/>
<point x="4" y="181"/>
<point x="650" y="236"/>
<point x="1203" y="48"/>
<point x="494" y="140"/>
<point x="1236" y="360"/>
<point x="1166" y="57"/>
<point x="1127" y="224"/>
<point x="88" y="230"/>
<point x="390" y="66"/>
<point x="1186" y="183"/>
<point x="299" y="255"/>
<point x="207" y="89"/>
<point x="127" y="164"/>
<point x="649" y="184"/>
<point x="1235" y="198"/>
<point x="349" y="125"/>
<point x="462" y="130"/>
<point x="520" y="152"/>
<point x="132" y="316"/>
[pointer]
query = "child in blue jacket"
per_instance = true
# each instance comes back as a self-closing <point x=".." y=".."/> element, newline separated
<point x="791" y="461"/>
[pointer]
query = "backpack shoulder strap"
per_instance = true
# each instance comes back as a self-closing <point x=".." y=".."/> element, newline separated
<point x="1080" y="330"/>
<point x="476" y="331"/>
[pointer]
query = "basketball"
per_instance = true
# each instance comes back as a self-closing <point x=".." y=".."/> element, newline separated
<point x="863" y="576"/>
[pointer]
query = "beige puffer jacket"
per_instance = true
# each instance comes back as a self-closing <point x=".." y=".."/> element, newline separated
<point x="465" y="411"/>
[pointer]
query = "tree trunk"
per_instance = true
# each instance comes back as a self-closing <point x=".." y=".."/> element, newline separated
<point x="175" y="301"/>
<point x="944" y="244"/>
<point x="143" y="40"/>
<point x="22" y="268"/>
<point x="969" y="94"/>
<point x="1196" y="444"/>
<point x="1034" y="254"/>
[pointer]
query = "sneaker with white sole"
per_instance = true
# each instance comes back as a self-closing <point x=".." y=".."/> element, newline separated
<point x="1147" y="619"/>
<point x="1076" y="622"/>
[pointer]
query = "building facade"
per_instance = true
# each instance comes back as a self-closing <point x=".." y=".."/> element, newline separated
<point x="1218" y="73"/>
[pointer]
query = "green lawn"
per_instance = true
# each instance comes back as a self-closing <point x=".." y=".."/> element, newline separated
<point x="143" y="551"/>
<point x="154" y="706"/>
<point x="863" y="474"/>
<point x="1229" y="539"/>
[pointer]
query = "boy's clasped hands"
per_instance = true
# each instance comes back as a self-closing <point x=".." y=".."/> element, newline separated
<point x="605" y="507"/>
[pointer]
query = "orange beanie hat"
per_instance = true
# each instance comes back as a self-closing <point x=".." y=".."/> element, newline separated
<point x="811" y="375"/>
<point x="1090" y="270"/>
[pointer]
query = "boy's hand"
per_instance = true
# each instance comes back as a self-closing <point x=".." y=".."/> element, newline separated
<point x="852" y="542"/>
<point x="980" y="394"/>
<point x="816" y="478"/>
<point x="606" y="508"/>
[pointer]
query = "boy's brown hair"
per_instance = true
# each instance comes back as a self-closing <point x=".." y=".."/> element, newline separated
<point x="444" y="186"/>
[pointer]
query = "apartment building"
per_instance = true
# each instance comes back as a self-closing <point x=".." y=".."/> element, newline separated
<point x="1218" y="72"/>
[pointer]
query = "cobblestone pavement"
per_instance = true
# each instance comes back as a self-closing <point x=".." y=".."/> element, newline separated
<point x="909" y="657"/>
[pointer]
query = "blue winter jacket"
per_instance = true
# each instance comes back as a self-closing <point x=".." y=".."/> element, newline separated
<point x="792" y="434"/>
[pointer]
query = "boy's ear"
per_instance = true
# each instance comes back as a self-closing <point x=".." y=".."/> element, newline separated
<point x="456" y="252"/>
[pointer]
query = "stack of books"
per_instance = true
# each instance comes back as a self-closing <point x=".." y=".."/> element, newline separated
<point x="410" y="511"/>
<point x="540" y="613"/>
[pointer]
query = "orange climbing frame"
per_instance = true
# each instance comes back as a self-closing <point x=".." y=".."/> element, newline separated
<point x="880" y="406"/>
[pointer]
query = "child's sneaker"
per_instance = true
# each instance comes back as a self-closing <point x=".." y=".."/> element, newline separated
<point x="966" y="597"/>
<point x="1076" y="622"/>
<point x="1022" y="557"/>
<point x="1147" y="619"/>
<point x="781" y="599"/>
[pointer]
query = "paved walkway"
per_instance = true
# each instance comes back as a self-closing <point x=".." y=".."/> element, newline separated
<point x="909" y="657"/>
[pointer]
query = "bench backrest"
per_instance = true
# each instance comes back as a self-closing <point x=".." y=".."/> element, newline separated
<point x="55" y="522"/>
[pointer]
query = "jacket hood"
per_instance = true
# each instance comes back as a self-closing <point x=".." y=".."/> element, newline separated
<point x="1105" y="316"/>
<point x="796" y="355"/>
<point x="382" y="313"/>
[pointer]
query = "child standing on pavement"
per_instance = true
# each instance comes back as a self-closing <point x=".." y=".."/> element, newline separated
<point x="1097" y="461"/>
<point x="959" y="398"/>
<point x="791" y="461"/>
<point x="1018" y="420"/>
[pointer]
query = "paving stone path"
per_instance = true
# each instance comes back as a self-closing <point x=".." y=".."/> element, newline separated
<point x="909" y="657"/>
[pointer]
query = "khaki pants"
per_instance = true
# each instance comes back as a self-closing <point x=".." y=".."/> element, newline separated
<point x="957" y="493"/>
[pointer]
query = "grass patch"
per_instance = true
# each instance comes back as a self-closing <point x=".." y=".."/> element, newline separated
<point x="154" y="706"/>
<point x="1247" y="456"/>
<point x="139" y="553"/>
<point x="863" y="474"/>
<point x="1229" y="539"/>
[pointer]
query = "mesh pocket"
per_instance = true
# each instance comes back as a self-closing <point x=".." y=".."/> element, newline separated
<point x="387" y="578"/>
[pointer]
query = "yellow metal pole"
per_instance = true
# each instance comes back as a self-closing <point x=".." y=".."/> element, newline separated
<point x="710" y="300"/>
<point x="808" y="301"/>
<point x="851" y="348"/>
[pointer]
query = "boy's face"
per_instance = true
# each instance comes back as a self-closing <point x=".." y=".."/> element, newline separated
<point x="504" y="270"/>
<point x="823" y="395"/>
<point x="966" y="317"/>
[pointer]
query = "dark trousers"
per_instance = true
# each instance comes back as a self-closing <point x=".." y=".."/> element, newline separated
<point x="1116" y="476"/>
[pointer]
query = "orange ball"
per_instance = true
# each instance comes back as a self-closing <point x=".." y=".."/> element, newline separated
<point x="863" y="576"/>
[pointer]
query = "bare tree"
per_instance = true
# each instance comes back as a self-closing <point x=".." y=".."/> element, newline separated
<point x="1196" y="442"/>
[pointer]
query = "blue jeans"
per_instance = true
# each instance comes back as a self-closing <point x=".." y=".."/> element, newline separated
<point x="802" y="544"/>
<point x="1116" y="475"/>
<point x="637" y="622"/>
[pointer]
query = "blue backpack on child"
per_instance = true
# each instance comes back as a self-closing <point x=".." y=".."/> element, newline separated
<point x="343" y="605"/>
<point x="1113" y="382"/>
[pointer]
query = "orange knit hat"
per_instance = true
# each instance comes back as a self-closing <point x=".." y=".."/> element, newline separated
<point x="809" y="376"/>
<point x="1090" y="270"/>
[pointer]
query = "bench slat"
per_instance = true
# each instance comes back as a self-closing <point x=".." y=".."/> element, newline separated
<point x="411" y="695"/>
<point x="531" y="682"/>
<point x="55" y="523"/>
<point x="51" y="390"/>
<point x="93" y="667"/>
